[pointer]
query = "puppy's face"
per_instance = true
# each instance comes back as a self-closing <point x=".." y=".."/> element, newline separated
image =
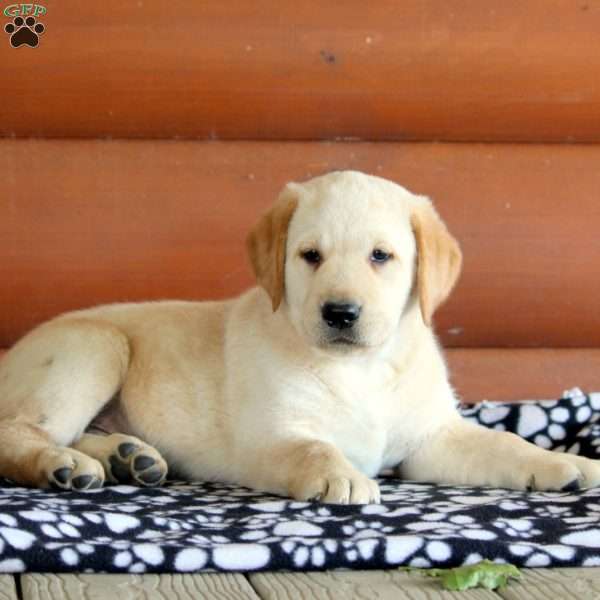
<point x="344" y="252"/>
<point x="350" y="263"/>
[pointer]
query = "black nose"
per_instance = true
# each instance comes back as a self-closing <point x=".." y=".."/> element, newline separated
<point x="340" y="315"/>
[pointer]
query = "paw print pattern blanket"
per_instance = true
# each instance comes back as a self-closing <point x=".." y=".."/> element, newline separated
<point x="187" y="527"/>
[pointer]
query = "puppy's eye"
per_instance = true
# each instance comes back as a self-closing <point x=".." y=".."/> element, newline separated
<point x="380" y="256"/>
<point x="312" y="257"/>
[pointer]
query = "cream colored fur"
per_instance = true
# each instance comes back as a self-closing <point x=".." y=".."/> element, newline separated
<point x="236" y="391"/>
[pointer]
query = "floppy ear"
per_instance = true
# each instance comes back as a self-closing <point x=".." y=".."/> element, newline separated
<point x="439" y="258"/>
<point x="266" y="246"/>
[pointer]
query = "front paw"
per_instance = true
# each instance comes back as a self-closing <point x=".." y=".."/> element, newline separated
<point x="68" y="469"/>
<point x="561" y="472"/>
<point x="589" y="469"/>
<point x="338" y="488"/>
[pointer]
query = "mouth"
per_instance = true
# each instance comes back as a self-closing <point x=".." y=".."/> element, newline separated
<point x="332" y="340"/>
<point x="343" y="341"/>
<point x="342" y="344"/>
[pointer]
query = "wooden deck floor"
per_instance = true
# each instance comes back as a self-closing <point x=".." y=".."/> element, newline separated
<point x="536" y="584"/>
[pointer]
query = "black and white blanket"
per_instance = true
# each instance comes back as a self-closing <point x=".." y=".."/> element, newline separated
<point x="185" y="527"/>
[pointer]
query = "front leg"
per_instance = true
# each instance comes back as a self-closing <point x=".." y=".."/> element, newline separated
<point x="309" y="470"/>
<point x="467" y="454"/>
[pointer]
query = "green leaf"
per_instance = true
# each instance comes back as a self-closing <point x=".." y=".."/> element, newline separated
<point x="485" y="574"/>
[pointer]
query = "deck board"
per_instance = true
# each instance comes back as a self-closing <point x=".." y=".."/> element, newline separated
<point x="555" y="584"/>
<point x="8" y="590"/>
<point x="536" y="584"/>
<point x="139" y="587"/>
<point x="361" y="585"/>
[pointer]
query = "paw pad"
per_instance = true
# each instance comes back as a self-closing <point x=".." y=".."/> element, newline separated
<point x="126" y="449"/>
<point x="130" y="465"/>
<point x="81" y="482"/>
<point x="62" y="475"/>
<point x="120" y="470"/>
<point x="151" y="476"/>
<point x="572" y="486"/>
<point x="64" y="478"/>
<point x="141" y="463"/>
<point x="24" y="32"/>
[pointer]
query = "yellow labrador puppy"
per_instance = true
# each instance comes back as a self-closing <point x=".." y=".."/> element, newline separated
<point x="307" y="386"/>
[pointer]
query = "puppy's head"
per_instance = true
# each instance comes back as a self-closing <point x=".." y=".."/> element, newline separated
<point x="343" y="254"/>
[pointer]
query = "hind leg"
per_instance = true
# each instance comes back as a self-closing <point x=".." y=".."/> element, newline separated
<point x="29" y="457"/>
<point x="125" y="458"/>
<point x="53" y="382"/>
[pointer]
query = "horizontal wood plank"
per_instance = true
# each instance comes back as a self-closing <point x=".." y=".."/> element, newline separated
<point x="509" y="374"/>
<point x="71" y="586"/>
<point x="8" y="589"/>
<point x="563" y="584"/>
<point x="535" y="584"/>
<point x="90" y="222"/>
<point x="444" y="70"/>
<point x="361" y="585"/>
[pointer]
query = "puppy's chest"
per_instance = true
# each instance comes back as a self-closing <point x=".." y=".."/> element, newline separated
<point x="360" y="419"/>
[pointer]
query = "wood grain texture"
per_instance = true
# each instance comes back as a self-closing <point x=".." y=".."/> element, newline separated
<point x="359" y="585"/>
<point x="88" y="222"/>
<point x="48" y="586"/>
<point x="555" y="584"/>
<point x="508" y="374"/>
<point x="8" y="589"/>
<point x="435" y="69"/>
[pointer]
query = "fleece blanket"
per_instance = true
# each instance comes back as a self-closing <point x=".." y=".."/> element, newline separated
<point x="192" y="527"/>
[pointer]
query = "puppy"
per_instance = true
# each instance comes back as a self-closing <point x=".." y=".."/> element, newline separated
<point x="307" y="386"/>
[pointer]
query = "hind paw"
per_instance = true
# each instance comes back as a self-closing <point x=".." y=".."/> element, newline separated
<point x="68" y="469"/>
<point x="132" y="461"/>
